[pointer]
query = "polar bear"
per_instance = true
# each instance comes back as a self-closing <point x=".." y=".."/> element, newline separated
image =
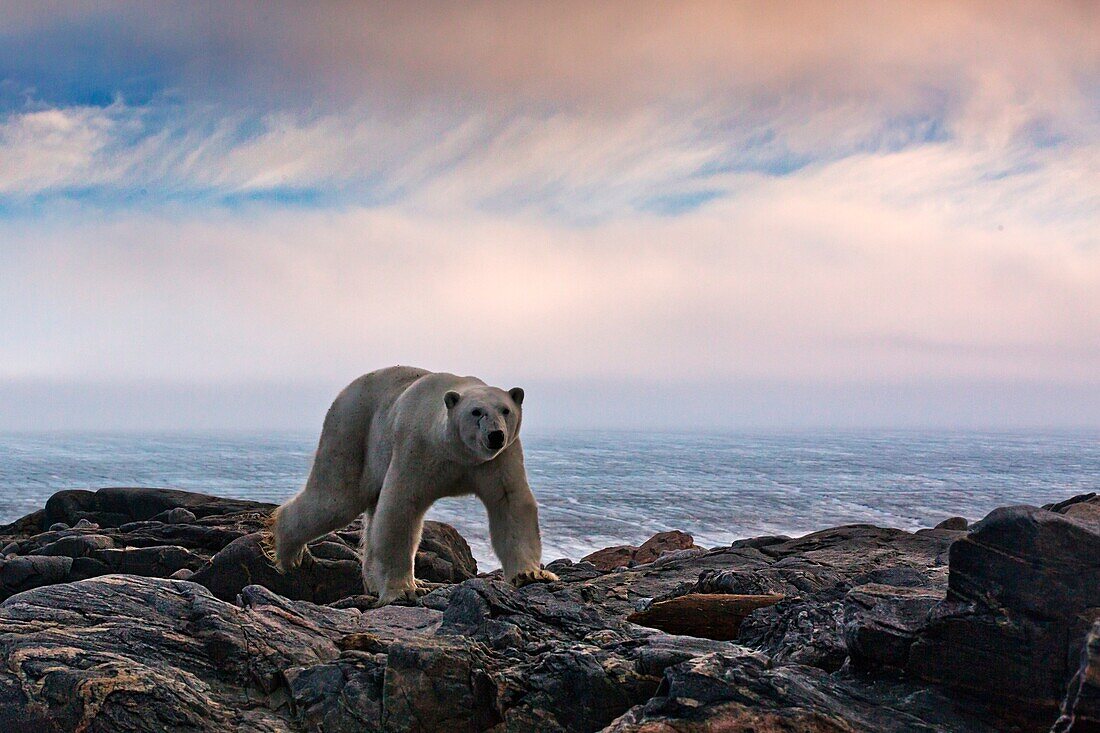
<point x="395" y="441"/>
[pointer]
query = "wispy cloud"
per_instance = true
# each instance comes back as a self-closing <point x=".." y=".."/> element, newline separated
<point x="715" y="192"/>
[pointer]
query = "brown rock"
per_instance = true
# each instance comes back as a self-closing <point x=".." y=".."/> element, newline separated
<point x="622" y="556"/>
<point x="707" y="615"/>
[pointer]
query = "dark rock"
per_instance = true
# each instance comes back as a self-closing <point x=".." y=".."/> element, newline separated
<point x="881" y="622"/>
<point x="443" y="555"/>
<point x="342" y="696"/>
<point x="331" y="570"/>
<point x="1014" y="662"/>
<point x="18" y="574"/>
<point x="244" y="562"/>
<point x="155" y="562"/>
<point x="1061" y="506"/>
<point x="1029" y="560"/>
<point x="438" y="684"/>
<point x="1087" y="512"/>
<point x="77" y="545"/>
<point x="1081" y="705"/>
<point x="1021" y="584"/>
<point x="112" y="507"/>
<point x="124" y="653"/>
<point x="737" y="690"/>
<point x="800" y="631"/>
<point x="863" y="639"/>
<point x="30" y="524"/>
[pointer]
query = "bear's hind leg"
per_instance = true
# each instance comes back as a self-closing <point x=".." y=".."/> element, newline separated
<point x="309" y="515"/>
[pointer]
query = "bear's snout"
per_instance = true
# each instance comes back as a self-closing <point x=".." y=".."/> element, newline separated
<point x="496" y="439"/>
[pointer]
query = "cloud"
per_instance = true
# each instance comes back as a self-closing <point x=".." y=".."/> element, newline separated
<point x="649" y="194"/>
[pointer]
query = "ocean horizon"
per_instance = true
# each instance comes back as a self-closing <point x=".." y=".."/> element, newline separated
<point x="598" y="488"/>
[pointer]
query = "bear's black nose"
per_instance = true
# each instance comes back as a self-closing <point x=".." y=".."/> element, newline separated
<point x="496" y="439"/>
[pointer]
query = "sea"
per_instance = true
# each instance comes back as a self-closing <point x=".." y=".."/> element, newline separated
<point x="603" y="488"/>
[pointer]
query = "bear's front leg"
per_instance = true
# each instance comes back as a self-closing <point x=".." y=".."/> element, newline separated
<point x="390" y="554"/>
<point x="514" y="526"/>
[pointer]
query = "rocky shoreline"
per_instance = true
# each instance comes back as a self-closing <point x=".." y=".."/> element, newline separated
<point x="153" y="610"/>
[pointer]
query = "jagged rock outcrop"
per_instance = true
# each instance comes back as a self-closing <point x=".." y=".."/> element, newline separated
<point x="876" y="630"/>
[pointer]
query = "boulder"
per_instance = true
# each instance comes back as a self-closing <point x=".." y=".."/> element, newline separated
<point x="1037" y="562"/>
<point x="957" y="524"/>
<point x="125" y="653"/>
<point x="18" y="574"/>
<point x="244" y="562"/>
<point x="331" y="570"/>
<point x="1024" y="584"/>
<point x="623" y="556"/>
<point x="438" y="684"/>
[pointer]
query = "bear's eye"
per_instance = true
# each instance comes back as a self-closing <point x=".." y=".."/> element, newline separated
<point x="505" y="411"/>
<point x="476" y="413"/>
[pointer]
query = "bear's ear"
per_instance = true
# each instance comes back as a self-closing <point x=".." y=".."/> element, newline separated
<point x="451" y="399"/>
<point x="516" y="393"/>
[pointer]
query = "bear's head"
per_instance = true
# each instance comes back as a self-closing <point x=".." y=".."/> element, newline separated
<point x="485" y="419"/>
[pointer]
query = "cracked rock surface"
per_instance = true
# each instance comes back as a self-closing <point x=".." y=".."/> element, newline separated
<point x="153" y="610"/>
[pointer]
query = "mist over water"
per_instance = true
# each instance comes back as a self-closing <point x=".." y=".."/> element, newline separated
<point x="600" y="488"/>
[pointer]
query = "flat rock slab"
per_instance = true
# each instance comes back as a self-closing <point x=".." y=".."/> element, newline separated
<point x="706" y="615"/>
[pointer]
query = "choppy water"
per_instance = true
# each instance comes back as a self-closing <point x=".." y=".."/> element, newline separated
<point x="604" y="488"/>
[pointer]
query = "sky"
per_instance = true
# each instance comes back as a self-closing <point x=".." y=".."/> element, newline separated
<point x="649" y="215"/>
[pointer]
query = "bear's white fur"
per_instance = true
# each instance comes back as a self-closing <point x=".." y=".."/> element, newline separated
<point x="394" y="442"/>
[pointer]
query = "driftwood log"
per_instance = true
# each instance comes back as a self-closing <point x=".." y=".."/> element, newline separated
<point x="715" y="616"/>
